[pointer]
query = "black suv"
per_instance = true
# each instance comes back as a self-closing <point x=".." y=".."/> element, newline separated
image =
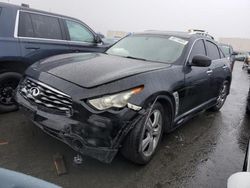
<point x="144" y="85"/>
<point x="28" y="35"/>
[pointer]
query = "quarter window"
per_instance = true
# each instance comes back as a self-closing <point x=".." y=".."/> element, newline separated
<point x="25" y="28"/>
<point x="212" y="50"/>
<point x="198" y="49"/>
<point x="78" y="32"/>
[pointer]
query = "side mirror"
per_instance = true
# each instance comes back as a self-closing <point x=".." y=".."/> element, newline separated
<point x="234" y="53"/>
<point x="98" y="39"/>
<point x="201" y="61"/>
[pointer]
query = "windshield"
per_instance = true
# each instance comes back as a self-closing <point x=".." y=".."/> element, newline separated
<point x="226" y="50"/>
<point x="150" y="48"/>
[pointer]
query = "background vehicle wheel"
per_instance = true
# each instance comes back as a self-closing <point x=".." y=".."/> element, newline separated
<point x="222" y="97"/>
<point x="8" y="84"/>
<point x="142" y="142"/>
<point x="248" y="104"/>
<point x="248" y="109"/>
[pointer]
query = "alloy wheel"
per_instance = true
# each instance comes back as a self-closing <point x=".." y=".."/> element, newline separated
<point x="152" y="133"/>
<point x="222" y="96"/>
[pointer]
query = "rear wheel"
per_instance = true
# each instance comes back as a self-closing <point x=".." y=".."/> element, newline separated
<point x="248" y="103"/>
<point x="142" y="142"/>
<point x="8" y="84"/>
<point x="222" y="97"/>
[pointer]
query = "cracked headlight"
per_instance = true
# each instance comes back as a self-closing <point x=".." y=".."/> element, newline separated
<point x="119" y="100"/>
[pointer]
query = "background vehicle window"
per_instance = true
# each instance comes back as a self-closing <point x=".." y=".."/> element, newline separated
<point x="226" y="50"/>
<point x="25" y="28"/>
<point x="46" y="27"/>
<point x="222" y="55"/>
<point x="78" y="32"/>
<point x="198" y="49"/>
<point x="212" y="50"/>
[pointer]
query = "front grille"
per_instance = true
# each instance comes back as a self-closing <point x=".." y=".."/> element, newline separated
<point x="45" y="97"/>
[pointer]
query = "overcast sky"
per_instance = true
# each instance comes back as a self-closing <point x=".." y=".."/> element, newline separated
<point x="222" y="18"/>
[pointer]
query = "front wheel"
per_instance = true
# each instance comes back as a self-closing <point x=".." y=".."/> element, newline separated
<point x="142" y="142"/>
<point x="222" y="97"/>
<point x="8" y="84"/>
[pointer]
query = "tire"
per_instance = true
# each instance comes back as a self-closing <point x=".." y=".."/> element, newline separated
<point x="222" y="97"/>
<point x="8" y="83"/>
<point x="248" y="109"/>
<point x="248" y="104"/>
<point x="133" y="145"/>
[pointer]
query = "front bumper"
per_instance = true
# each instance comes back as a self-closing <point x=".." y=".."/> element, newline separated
<point x="95" y="135"/>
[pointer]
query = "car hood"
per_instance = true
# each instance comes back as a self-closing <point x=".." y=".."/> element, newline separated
<point x="93" y="69"/>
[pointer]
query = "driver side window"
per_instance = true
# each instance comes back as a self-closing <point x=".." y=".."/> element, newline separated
<point x="198" y="49"/>
<point x="79" y="33"/>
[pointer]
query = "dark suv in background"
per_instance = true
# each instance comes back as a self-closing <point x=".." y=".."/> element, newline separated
<point x="229" y="53"/>
<point x="28" y="35"/>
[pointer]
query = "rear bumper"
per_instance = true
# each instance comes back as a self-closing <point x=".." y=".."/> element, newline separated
<point x="95" y="135"/>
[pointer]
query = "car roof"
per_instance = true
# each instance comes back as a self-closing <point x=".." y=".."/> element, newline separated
<point x="180" y="34"/>
<point x="18" y="7"/>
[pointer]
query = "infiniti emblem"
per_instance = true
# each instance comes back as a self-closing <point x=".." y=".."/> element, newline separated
<point x="34" y="91"/>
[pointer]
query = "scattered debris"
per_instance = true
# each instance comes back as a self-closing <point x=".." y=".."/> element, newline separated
<point x="3" y="142"/>
<point x="59" y="164"/>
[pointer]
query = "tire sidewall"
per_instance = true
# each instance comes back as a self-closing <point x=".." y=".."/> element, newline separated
<point x="227" y="85"/>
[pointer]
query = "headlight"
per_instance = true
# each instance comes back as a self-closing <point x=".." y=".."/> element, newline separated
<point x="119" y="100"/>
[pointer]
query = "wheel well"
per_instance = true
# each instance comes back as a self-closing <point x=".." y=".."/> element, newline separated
<point x="168" y="104"/>
<point x="229" y="81"/>
<point x="168" y="109"/>
<point x="13" y="66"/>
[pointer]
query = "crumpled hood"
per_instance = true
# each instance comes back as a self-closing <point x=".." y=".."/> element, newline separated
<point x="93" y="69"/>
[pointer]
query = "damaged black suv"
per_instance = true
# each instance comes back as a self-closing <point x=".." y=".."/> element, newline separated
<point x="126" y="98"/>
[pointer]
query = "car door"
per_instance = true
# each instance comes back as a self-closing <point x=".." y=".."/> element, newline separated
<point x="41" y="36"/>
<point x="219" y="67"/>
<point x="197" y="79"/>
<point x="81" y="38"/>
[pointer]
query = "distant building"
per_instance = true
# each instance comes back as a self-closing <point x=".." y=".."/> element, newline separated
<point x="239" y="44"/>
<point x="116" y="34"/>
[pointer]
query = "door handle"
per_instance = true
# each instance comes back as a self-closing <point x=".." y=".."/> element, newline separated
<point x="209" y="72"/>
<point x="32" y="47"/>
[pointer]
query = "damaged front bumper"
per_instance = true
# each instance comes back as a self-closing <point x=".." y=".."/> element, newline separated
<point x="96" y="135"/>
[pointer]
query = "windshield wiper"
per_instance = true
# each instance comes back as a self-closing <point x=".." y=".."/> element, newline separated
<point x="137" y="58"/>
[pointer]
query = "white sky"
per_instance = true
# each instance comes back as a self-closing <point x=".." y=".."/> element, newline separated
<point x="221" y="18"/>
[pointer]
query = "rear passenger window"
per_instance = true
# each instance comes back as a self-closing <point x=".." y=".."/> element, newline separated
<point x="198" y="49"/>
<point x="46" y="27"/>
<point x="212" y="50"/>
<point x="78" y="32"/>
<point x="25" y="28"/>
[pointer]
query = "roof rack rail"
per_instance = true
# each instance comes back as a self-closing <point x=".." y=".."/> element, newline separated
<point x="25" y="5"/>
<point x="200" y="32"/>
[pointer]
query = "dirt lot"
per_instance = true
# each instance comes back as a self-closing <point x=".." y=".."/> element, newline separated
<point x="202" y="153"/>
